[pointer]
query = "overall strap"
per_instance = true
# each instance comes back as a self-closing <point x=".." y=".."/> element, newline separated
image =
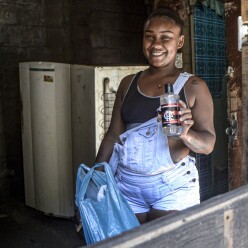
<point x="179" y="85"/>
<point x="181" y="80"/>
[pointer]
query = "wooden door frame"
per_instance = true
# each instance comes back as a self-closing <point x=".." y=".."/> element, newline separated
<point x="234" y="98"/>
<point x="244" y="88"/>
<point x="238" y="94"/>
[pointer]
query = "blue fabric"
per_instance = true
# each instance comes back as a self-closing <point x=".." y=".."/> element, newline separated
<point x="215" y="5"/>
<point x="106" y="217"/>
<point x="210" y="64"/>
<point x="210" y="48"/>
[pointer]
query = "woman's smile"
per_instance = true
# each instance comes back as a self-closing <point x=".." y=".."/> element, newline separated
<point x="157" y="54"/>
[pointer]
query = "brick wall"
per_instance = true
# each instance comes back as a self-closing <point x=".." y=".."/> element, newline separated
<point x="106" y="32"/>
<point x="112" y="30"/>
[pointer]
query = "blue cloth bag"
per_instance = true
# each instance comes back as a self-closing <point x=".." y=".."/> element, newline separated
<point x="103" y="210"/>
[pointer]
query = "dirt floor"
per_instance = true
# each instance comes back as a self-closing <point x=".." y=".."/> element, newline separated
<point x="24" y="227"/>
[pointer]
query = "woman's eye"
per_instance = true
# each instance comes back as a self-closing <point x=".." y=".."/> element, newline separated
<point x="149" y="37"/>
<point x="165" y="38"/>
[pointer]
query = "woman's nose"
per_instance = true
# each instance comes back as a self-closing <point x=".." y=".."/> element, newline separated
<point x="156" y="44"/>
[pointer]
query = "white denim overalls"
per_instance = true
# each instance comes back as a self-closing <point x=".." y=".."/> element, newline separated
<point x="145" y="172"/>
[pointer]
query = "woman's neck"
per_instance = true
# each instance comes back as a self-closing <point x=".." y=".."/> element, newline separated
<point x="156" y="74"/>
<point x="165" y="72"/>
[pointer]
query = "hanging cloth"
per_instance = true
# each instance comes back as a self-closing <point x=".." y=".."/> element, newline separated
<point x="215" y="5"/>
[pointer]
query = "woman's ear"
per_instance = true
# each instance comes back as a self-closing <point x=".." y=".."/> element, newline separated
<point x="181" y="42"/>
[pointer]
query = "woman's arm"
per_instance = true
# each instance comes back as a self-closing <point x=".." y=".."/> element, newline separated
<point x="198" y="124"/>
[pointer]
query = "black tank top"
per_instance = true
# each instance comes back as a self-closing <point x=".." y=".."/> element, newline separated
<point x="138" y="108"/>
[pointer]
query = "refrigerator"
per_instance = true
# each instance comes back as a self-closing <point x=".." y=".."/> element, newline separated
<point x="45" y="90"/>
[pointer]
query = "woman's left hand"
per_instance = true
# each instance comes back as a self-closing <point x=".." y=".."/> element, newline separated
<point x="185" y="118"/>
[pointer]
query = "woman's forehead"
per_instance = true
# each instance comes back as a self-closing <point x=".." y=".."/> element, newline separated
<point x="160" y="23"/>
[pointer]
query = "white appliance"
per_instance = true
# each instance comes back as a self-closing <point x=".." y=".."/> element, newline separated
<point x="93" y="94"/>
<point x="46" y="137"/>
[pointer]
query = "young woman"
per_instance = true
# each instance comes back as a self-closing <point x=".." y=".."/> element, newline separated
<point x="154" y="172"/>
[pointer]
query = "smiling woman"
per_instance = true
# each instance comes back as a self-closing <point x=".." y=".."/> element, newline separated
<point x="161" y="42"/>
<point x="154" y="172"/>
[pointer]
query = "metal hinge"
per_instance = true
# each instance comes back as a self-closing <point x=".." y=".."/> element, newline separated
<point x="232" y="130"/>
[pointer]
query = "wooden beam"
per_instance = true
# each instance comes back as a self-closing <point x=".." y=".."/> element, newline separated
<point x="235" y="173"/>
<point x="244" y="10"/>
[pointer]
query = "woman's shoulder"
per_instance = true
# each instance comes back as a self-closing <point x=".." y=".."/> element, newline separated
<point x="195" y="82"/>
<point x="196" y="88"/>
<point x="125" y="83"/>
<point x="127" y="79"/>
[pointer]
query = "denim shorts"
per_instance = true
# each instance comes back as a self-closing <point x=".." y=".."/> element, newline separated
<point x="174" y="189"/>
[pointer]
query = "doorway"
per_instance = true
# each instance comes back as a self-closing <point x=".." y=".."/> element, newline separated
<point x="209" y="61"/>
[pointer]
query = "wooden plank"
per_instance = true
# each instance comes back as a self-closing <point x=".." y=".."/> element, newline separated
<point x="202" y="226"/>
<point x="228" y="228"/>
<point x="245" y="113"/>
<point x="233" y="10"/>
<point x="244" y="8"/>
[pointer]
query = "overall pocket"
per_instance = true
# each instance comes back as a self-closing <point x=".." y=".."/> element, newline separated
<point x="139" y="149"/>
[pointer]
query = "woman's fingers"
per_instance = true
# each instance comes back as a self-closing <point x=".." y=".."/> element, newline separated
<point x="188" y="122"/>
<point x="185" y="114"/>
<point x="183" y="104"/>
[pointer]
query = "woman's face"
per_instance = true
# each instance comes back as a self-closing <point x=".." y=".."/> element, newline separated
<point x="161" y="41"/>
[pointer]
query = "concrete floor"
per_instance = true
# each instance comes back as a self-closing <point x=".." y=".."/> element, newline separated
<point x="24" y="227"/>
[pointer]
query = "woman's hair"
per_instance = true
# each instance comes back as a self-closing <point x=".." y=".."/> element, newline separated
<point x="173" y="10"/>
